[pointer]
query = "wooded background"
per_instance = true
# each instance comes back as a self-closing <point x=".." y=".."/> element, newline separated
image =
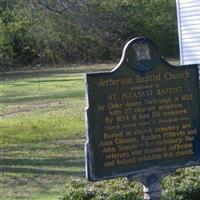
<point x="61" y="31"/>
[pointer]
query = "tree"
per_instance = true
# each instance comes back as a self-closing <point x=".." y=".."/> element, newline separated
<point x="49" y="31"/>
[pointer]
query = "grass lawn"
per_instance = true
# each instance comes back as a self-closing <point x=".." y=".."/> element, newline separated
<point x="42" y="131"/>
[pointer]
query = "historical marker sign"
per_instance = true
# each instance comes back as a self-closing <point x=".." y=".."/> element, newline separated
<point x="142" y="117"/>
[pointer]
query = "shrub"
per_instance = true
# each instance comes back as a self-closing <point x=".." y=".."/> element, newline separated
<point x="119" y="189"/>
<point x="183" y="185"/>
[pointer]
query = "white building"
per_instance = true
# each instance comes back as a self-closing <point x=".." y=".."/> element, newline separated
<point x="188" y="14"/>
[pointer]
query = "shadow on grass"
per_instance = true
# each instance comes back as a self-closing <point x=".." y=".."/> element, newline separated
<point x="14" y="99"/>
<point x="31" y="74"/>
<point x="36" y="166"/>
<point x="56" y="80"/>
<point x="67" y="164"/>
<point x="30" y="170"/>
<point x="64" y="162"/>
<point x="43" y="81"/>
<point x="37" y="73"/>
<point x="68" y="145"/>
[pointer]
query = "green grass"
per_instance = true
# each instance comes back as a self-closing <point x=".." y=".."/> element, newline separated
<point x="42" y="132"/>
<point x="40" y="170"/>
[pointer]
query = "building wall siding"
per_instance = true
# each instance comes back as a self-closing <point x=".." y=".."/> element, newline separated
<point x="188" y="15"/>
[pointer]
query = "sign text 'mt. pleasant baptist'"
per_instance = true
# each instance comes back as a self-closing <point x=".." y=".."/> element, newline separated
<point x="143" y="114"/>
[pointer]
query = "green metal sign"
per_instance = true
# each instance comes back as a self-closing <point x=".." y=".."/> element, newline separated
<point x="142" y="117"/>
